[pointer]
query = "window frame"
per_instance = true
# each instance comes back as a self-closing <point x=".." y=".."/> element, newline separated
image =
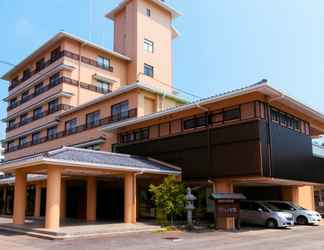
<point x="51" y="136"/>
<point x="40" y="64"/>
<point x="148" y="46"/>
<point x="23" y="118"/>
<point x="38" y="88"/>
<point x="103" y="62"/>
<point x="38" y="116"/>
<point x="71" y="129"/>
<point x="100" y="83"/>
<point x="117" y="110"/>
<point x="54" y="79"/>
<point x="38" y="139"/>
<point x="52" y="109"/>
<point x="55" y="54"/>
<point x="232" y="114"/>
<point x="95" y="122"/>
<point x="23" y="140"/>
<point x="148" y="70"/>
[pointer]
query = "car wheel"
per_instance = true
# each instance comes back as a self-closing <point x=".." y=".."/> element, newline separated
<point x="271" y="223"/>
<point x="302" y="220"/>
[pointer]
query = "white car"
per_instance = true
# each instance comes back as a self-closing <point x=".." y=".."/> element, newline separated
<point x="263" y="214"/>
<point x="301" y="215"/>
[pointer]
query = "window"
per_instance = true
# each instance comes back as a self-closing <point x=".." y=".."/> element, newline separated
<point x="13" y="102"/>
<point x="93" y="119"/>
<point x="138" y="135"/>
<point x="148" y="12"/>
<point x="38" y="113"/>
<point x="11" y="145"/>
<point x="24" y="96"/>
<point x="12" y="123"/>
<point x="24" y="119"/>
<point x="40" y="64"/>
<point x="51" y="132"/>
<point x="38" y="88"/>
<point x="282" y="206"/>
<point x="55" y="54"/>
<point x="53" y="106"/>
<point x="36" y="138"/>
<point x="54" y="79"/>
<point x="23" y="141"/>
<point x="70" y="126"/>
<point x="103" y="62"/>
<point x="103" y="86"/>
<point x="148" y="46"/>
<point x="148" y="70"/>
<point x="275" y="115"/>
<point x="195" y="122"/>
<point x="26" y="74"/>
<point x="119" y="111"/>
<point x="232" y="114"/>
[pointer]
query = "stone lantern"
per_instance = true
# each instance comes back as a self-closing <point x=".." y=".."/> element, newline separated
<point x="190" y="198"/>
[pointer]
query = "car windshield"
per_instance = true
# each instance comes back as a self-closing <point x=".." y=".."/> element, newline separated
<point x="271" y="207"/>
<point x="283" y="205"/>
<point x="299" y="207"/>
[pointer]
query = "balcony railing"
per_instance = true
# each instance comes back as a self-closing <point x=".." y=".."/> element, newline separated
<point x="84" y="127"/>
<point x="60" y="107"/>
<point x="55" y="83"/>
<point x="63" y="53"/>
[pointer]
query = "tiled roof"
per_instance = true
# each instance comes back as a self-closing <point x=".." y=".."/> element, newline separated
<point x="72" y="156"/>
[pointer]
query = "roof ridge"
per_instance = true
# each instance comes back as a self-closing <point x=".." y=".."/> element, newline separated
<point x="99" y="152"/>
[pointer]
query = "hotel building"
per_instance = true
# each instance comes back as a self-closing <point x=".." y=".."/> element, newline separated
<point x="89" y="129"/>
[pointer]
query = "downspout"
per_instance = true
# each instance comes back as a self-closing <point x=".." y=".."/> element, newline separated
<point x="209" y="154"/>
<point x="79" y="73"/>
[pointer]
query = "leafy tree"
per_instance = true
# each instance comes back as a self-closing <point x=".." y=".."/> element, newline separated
<point x="169" y="197"/>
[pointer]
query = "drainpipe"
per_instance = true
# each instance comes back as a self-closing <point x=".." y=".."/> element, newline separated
<point x="79" y="73"/>
<point x="210" y="165"/>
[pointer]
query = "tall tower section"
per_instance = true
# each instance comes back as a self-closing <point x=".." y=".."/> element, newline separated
<point x="144" y="32"/>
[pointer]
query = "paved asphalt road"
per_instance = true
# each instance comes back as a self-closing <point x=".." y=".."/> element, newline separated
<point x="309" y="237"/>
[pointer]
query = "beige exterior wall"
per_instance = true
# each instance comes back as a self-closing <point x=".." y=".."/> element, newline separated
<point x="132" y="26"/>
<point x="301" y="195"/>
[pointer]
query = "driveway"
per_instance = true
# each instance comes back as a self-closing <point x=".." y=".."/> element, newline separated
<point x="303" y="237"/>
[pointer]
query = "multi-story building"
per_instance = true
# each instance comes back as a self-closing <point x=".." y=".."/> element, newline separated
<point x="73" y="93"/>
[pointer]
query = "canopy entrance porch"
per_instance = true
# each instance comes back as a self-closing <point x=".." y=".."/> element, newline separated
<point x="96" y="171"/>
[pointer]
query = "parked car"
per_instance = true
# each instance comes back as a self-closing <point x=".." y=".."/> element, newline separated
<point x="263" y="214"/>
<point x="301" y="215"/>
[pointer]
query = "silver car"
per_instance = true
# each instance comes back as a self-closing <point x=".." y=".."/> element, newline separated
<point x="301" y="215"/>
<point x="263" y="214"/>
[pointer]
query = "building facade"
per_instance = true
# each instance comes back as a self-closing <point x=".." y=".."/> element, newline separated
<point x="76" y="94"/>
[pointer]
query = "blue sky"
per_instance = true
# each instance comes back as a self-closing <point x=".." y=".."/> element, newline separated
<point x="224" y="44"/>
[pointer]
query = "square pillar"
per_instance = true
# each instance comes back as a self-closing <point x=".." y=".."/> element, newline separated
<point x="224" y="187"/>
<point x="300" y="195"/>
<point x="38" y="189"/>
<point x="53" y="198"/>
<point x="91" y="198"/>
<point x="20" y="198"/>
<point x="130" y="198"/>
<point x="63" y="200"/>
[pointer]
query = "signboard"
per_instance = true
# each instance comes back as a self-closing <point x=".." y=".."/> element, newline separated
<point x="227" y="209"/>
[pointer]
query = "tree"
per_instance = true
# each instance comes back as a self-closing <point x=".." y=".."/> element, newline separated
<point x="169" y="197"/>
